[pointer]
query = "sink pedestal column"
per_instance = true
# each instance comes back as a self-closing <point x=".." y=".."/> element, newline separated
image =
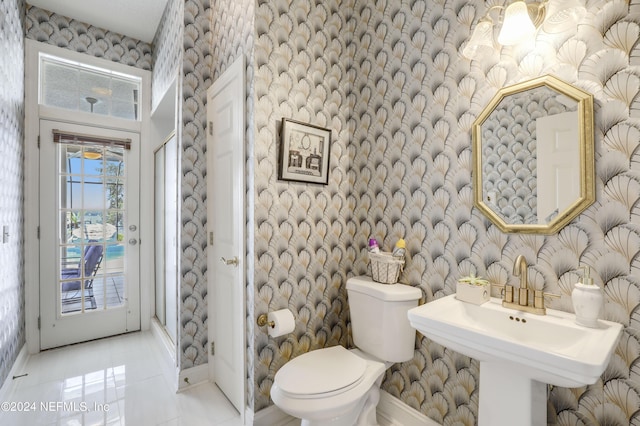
<point x="508" y="398"/>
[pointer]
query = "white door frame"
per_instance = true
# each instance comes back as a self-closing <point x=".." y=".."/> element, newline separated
<point x="33" y="113"/>
<point x="234" y="78"/>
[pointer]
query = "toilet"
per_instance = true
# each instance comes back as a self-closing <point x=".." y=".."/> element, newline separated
<point x="339" y="387"/>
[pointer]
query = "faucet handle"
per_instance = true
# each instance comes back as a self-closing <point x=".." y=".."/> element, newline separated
<point x="498" y="286"/>
<point x="538" y="298"/>
<point x="508" y="293"/>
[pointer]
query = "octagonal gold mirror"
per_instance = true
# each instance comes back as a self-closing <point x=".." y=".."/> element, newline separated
<point x="533" y="156"/>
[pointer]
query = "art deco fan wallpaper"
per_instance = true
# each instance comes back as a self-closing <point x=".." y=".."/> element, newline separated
<point x="389" y="80"/>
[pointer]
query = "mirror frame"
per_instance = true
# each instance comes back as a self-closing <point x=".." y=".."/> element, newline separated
<point x="587" y="161"/>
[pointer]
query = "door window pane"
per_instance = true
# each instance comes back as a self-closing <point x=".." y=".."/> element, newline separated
<point x="91" y="215"/>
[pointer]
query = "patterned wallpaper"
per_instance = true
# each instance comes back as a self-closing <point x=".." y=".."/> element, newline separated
<point x="196" y="79"/>
<point x="416" y="99"/>
<point x="388" y="79"/>
<point x="167" y="50"/>
<point x="58" y="30"/>
<point x="12" y="313"/>
<point x="303" y="236"/>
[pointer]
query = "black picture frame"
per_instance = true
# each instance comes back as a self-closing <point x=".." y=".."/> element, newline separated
<point x="304" y="152"/>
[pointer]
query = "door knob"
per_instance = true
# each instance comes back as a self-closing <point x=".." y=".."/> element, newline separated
<point x="233" y="261"/>
<point x="133" y="241"/>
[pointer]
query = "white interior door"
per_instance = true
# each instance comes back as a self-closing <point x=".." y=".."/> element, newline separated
<point x="558" y="163"/>
<point x="89" y="252"/>
<point x="226" y="222"/>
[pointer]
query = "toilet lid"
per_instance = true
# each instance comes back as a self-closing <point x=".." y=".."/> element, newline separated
<point x="320" y="371"/>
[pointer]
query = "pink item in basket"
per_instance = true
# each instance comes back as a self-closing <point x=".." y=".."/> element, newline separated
<point x="373" y="246"/>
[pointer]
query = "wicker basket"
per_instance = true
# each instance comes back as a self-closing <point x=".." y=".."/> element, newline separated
<point x="385" y="268"/>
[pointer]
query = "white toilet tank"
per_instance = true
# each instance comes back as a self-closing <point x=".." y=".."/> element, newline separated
<point x="379" y="322"/>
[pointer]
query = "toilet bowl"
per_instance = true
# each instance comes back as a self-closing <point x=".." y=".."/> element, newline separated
<point x="339" y="387"/>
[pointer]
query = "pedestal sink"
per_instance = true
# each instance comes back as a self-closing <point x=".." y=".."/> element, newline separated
<point x="518" y="352"/>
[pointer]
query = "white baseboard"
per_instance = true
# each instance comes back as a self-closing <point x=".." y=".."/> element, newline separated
<point x="17" y="369"/>
<point x="193" y="376"/>
<point x="390" y="412"/>
<point x="393" y="412"/>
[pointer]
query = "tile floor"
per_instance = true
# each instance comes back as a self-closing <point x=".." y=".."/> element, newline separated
<point x="122" y="380"/>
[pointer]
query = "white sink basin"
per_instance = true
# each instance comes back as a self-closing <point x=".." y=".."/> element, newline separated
<point x="547" y="348"/>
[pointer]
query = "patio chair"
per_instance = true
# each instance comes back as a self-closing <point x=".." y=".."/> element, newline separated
<point x="71" y="290"/>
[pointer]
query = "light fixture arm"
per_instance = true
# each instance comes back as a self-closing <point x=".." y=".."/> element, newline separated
<point x="487" y="14"/>
<point x="537" y="12"/>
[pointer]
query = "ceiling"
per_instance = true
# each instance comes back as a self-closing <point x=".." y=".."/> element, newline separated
<point x="134" y="18"/>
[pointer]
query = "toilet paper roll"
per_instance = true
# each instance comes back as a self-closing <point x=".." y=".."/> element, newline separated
<point x="284" y="322"/>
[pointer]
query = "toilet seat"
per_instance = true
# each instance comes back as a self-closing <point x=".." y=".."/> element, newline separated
<point x="326" y="372"/>
<point x="340" y="406"/>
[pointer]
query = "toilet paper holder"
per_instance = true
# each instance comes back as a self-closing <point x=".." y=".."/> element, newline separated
<point x="280" y="322"/>
<point x="263" y="320"/>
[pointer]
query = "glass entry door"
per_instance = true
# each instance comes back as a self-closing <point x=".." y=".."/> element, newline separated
<point x="89" y="252"/>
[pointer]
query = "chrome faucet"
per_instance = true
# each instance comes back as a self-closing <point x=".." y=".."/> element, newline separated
<point x="523" y="304"/>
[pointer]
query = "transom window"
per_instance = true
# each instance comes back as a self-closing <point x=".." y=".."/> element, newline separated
<point x="75" y="86"/>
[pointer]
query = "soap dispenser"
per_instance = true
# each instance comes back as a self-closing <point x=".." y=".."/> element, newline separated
<point x="587" y="300"/>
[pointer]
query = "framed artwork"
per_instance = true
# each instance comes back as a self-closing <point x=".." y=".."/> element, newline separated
<point x="304" y="152"/>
